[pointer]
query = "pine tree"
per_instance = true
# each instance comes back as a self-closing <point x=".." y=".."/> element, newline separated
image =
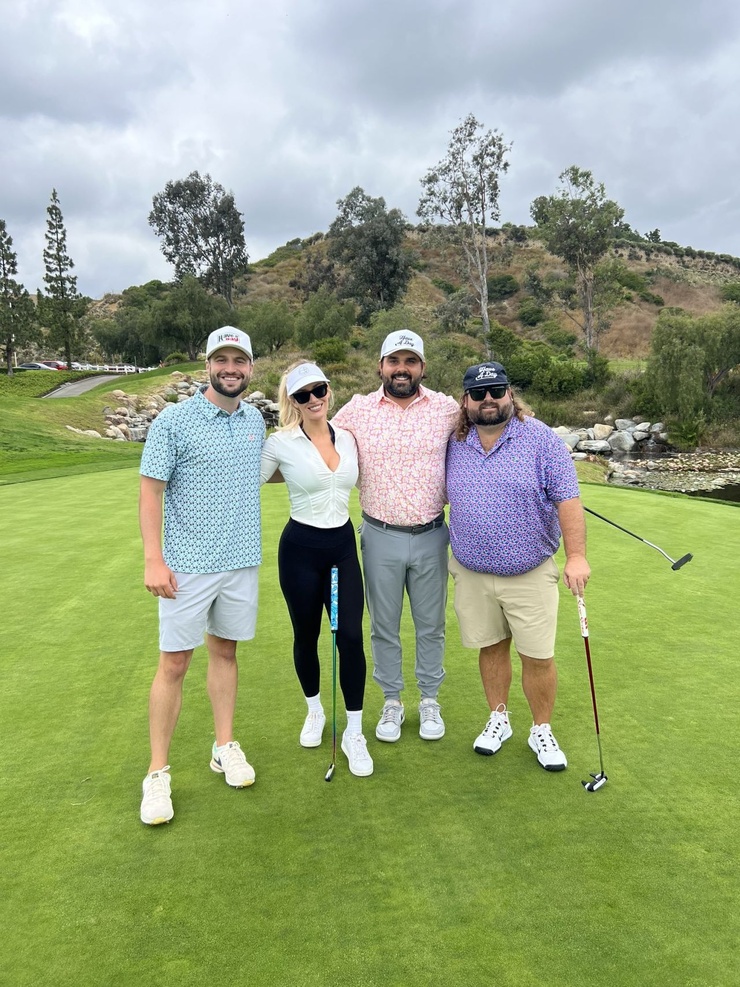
<point x="62" y="307"/>
<point x="17" y="312"/>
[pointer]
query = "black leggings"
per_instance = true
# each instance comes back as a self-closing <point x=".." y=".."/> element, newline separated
<point x="305" y="558"/>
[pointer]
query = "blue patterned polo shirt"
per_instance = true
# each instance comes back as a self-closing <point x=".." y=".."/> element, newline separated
<point x="210" y="461"/>
<point x="503" y="513"/>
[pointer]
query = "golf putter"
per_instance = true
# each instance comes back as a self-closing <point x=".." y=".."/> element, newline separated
<point x="600" y="779"/>
<point x="676" y="563"/>
<point x="333" y="623"/>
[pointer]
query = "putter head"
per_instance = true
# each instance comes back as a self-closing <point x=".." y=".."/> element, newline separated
<point x="330" y="773"/>
<point x="599" y="780"/>
<point x="682" y="561"/>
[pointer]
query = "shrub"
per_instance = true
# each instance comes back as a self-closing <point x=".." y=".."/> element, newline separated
<point x="557" y="337"/>
<point x="503" y="342"/>
<point x="329" y="351"/>
<point x="731" y="292"/>
<point x="530" y="312"/>
<point x="502" y="286"/>
<point x="522" y="366"/>
<point x="562" y="377"/>
<point x="173" y="358"/>
<point x="446" y="286"/>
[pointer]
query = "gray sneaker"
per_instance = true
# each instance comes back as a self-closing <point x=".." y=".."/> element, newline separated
<point x="495" y="732"/>
<point x="389" y="725"/>
<point x="431" y="724"/>
<point x="156" y="804"/>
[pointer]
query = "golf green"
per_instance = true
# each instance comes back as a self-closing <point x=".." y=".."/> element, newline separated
<point x="444" y="867"/>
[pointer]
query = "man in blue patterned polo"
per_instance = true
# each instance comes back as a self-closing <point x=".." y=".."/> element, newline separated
<point x="513" y="491"/>
<point x="201" y="470"/>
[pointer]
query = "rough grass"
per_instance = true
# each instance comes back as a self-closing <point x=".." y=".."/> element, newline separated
<point x="444" y="868"/>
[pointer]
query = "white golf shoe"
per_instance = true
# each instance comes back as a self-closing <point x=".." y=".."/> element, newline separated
<point x="230" y="761"/>
<point x="313" y="730"/>
<point x="354" y="746"/>
<point x="546" y="747"/>
<point x="156" y="804"/>
<point x="495" y="732"/>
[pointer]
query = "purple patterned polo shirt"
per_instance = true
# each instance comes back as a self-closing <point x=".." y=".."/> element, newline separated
<point x="503" y="513"/>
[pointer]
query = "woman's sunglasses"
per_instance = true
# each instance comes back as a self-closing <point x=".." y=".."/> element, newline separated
<point x="303" y="397"/>
<point x="496" y="391"/>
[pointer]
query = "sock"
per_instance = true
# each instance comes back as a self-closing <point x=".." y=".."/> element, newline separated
<point x="354" y="721"/>
<point x="314" y="703"/>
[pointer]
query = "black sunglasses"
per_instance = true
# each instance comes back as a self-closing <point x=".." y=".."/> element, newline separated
<point x="319" y="391"/>
<point x="496" y="391"/>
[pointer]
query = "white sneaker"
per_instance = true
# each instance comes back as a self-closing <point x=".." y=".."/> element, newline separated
<point x="354" y="746"/>
<point x="230" y="761"/>
<point x="495" y="732"/>
<point x="389" y="725"/>
<point x="312" y="730"/>
<point x="431" y="724"/>
<point x="546" y="748"/>
<point x="156" y="805"/>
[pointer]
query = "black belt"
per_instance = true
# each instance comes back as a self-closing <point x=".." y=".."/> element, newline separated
<point x="409" y="529"/>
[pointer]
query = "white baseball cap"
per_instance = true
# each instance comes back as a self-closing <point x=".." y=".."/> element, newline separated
<point x="303" y="375"/>
<point x="402" y="339"/>
<point x="229" y="336"/>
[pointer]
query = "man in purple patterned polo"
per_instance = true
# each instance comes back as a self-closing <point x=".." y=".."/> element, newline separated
<point x="513" y="491"/>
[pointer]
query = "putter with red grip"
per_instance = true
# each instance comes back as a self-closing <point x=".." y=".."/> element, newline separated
<point x="599" y="779"/>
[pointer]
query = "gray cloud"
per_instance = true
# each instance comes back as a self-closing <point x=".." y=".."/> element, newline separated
<point x="292" y="105"/>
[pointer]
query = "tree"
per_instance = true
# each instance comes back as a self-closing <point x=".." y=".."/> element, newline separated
<point x="17" y="312"/>
<point x="691" y="356"/>
<point x="577" y="223"/>
<point x="202" y="232"/>
<point x="368" y="240"/>
<point x="322" y="317"/>
<point x="270" y="325"/>
<point x="183" y="320"/>
<point x="463" y="192"/>
<point x="62" y="307"/>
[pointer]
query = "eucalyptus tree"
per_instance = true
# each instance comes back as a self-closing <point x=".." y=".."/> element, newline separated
<point x="462" y="192"/>
<point x="578" y="224"/>
<point x="368" y="240"/>
<point x="202" y="232"/>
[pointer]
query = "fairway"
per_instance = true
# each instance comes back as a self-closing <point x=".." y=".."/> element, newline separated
<point x="444" y="868"/>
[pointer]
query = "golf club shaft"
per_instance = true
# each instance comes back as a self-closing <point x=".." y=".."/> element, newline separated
<point x="334" y="624"/>
<point x="584" y="634"/>
<point x="675" y="563"/>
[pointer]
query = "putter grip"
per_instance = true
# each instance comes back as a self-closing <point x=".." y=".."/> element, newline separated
<point x="334" y="599"/>
<point x="582" y="616"/>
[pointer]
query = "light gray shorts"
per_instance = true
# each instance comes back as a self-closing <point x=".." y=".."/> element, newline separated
<point x="221" y="603"/>
<point x="491" y="608"/>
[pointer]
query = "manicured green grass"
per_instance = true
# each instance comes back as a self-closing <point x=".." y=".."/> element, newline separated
<point x="444" y="867"/>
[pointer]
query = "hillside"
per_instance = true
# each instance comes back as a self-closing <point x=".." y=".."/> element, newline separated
<point x="689" y="282"/>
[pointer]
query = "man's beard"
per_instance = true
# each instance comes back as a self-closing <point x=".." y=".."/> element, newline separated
<point x="491" y="416"/>
<point x="231" y="390"/>
<point x="402" y="388"/>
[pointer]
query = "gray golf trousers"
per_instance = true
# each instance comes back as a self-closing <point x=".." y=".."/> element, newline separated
<point x="394" y="561"/>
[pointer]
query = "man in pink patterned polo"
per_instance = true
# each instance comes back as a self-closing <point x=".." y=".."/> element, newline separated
<point x="401" y="432"/>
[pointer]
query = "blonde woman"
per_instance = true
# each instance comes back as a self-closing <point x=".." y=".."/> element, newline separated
<point x="319" y="465"/>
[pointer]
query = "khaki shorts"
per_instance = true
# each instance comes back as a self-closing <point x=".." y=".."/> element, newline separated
<point x="492" y="608"/>
<point x="221" y="603"/>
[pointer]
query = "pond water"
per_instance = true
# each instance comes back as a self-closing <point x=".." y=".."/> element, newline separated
<point x="715" y="475"/>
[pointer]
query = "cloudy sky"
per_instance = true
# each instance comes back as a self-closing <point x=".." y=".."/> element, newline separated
<point x="292" y="103"/>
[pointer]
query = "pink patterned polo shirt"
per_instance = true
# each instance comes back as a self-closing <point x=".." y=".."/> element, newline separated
<point x="401" y="453"/>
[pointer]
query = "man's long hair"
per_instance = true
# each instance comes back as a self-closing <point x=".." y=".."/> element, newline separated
<point x="521" y="410"/>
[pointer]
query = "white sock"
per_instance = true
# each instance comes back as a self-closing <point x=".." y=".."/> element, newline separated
<point x="354" y="721"/>
<point x="314" y="703"/>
